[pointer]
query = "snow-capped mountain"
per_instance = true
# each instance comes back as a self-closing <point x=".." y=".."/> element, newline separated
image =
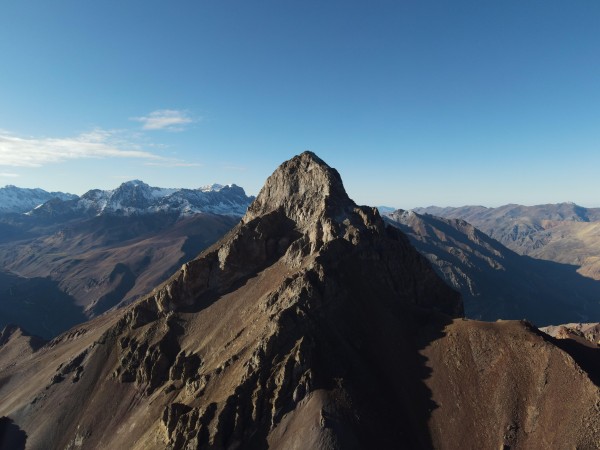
<point x="19" y="200"/>
<point x="136" y="197"/>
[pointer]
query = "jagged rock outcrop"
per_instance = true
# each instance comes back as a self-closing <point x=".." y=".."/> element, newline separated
<point x="311" y="324"/>
<point x="16" y="342"/>
<point x="589" y="332"/>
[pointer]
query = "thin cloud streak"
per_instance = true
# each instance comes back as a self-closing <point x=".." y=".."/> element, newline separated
<point x="35" y="152"/>
<point x="167" y="163"/>
<point x="9" y="175"/>
<point x="165" y="119"/>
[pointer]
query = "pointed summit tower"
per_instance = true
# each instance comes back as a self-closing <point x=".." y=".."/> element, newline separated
<point x="305" y="189"/>
<point x="302" y="213"/>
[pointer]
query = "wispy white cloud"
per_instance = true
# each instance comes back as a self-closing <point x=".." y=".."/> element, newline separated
<point x="8" y="175"/>
<point x="172" y="163"/>
<point x="165" y="119"/>
<point x="35" y="152"/>
<point x="238" y="168"/>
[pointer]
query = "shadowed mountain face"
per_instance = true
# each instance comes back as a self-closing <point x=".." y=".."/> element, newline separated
<point x="89" y="266"/>
<point x="495" y="282"/>
<point x="37" y="304"/>
<point x="310" y="325"/>
<point x="565" y="232"/>
<point x="11" y="437"/>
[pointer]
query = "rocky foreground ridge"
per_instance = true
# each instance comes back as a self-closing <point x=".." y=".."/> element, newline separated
<point x="311" y="324"/>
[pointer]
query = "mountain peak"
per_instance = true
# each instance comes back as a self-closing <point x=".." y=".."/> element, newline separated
<point x="14" y="199"/>
<point x="306" y="189"/>
<point x="134" y="183"/>
<point x="216" y="187"/>
<point x="256" y="342"/>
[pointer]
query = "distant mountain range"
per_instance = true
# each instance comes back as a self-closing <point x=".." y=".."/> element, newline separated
<point x="85" y="255"/>
<point x="130" y="198"/>
<point x="563" y="232"/>
<point x="72" y="258"/>
<point x="133" y="198"/>
<point x="495" y="282"/>
<point x="20" y="200"/>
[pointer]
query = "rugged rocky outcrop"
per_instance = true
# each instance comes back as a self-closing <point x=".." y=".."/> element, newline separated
<point x="311" y="324"/>
<point x="588" y="331"/>
<point x="17" y="343"/>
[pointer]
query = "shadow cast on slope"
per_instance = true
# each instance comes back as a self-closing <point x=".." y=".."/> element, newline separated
<point x="560" y="294"/>
<point x="587" y="356"/>
<point x="37" y="305"/>
<point x="11" y="436"/>
<point x="374" y="329"/>
<point x="362" y="342"/>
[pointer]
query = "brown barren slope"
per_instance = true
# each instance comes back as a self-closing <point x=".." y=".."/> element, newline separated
<point x="506" y="385"/>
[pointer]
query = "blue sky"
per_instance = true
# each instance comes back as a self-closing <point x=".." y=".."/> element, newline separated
<point x="414" y="102"/>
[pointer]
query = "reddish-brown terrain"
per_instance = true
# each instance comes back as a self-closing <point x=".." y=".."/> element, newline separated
<point x="311" y="324"/>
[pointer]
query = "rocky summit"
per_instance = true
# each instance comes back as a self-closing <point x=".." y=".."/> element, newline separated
<point x="310" y="325"/>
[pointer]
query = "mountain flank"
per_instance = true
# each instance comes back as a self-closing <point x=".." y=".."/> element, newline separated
<point x="565" y="232"/>
<point x="495" y="282"/>
<point x="92" y="265"/>
<point x="311" y="324"/>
